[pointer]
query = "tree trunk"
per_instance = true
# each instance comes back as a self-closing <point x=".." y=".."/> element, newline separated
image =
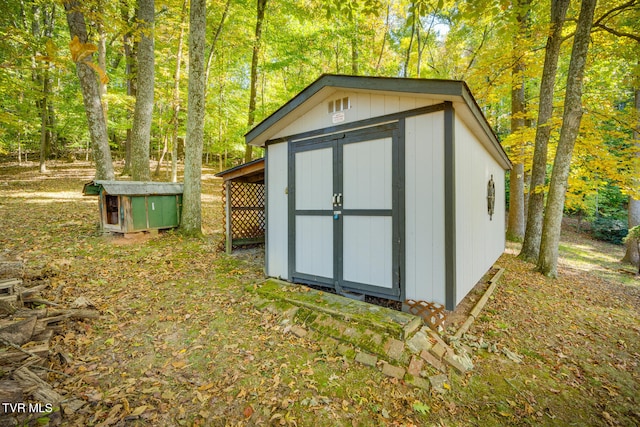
<point x="44" y="121"/>
<point x="515" y="223"/>
<point x="384" y="38"/>
<point x="531" y="244"/>
<point x="49" y="140"/>
<point x="143" y="112"/>
<point x="102" y="57"/>
<point x="130" y="47"/>
<point x="262" y="5"/>
<point x="175" y="120"/>
<point x="90" y="94"/>
<point x="405" y="71"/>
<point x="52" y="134"/>
<point x="43" y="14"/>
<point x="355" y="55"/>
<point x="191" y="222"/>
<point x="212" y="48"/>
<point x="163" y="153"/>
<point x="572" y="115"/>
<point x="632" y="255"/>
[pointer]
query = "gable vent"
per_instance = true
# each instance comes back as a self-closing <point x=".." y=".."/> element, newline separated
<point x="340" y="104"/>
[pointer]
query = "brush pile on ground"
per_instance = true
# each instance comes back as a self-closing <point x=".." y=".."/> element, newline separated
<point x="28" y="322"/>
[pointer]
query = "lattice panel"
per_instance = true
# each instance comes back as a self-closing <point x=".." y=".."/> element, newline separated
<point x="247" y="210"/>
<point x="433" y="314"/>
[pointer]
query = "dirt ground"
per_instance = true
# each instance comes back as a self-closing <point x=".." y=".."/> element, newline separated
<point x="180" y="342"/>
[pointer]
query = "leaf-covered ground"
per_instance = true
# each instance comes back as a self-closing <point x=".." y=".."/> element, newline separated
<point x="180" y="342"/>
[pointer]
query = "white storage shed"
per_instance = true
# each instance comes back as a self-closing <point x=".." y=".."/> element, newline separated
<point x="387" y="187"/>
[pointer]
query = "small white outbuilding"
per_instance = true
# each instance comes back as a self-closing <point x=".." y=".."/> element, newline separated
<point x="387" y="187"/>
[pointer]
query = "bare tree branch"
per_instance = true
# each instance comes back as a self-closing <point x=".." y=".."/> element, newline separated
<point x="619" y="33"/>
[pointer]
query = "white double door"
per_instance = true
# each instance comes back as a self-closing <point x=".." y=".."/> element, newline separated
<point x="344" y="227"/>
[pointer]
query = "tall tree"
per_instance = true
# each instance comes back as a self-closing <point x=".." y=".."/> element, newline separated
<point x="143" y="112"/>
<point x="515" y="223"/>
<point x="82" y="54"/>
<point x="42" y="29"/>
<point x="130" y="74"/>
<point x="176" y="103"/>
<point x="533" y="232"/>
<point x="214" y="40"/>
<point x="191" y="222"/>
<point x="631" y="254"/>
<point x="255" y="57"/>
<point x="572" y="115"/>
<point x="102" y="54"/>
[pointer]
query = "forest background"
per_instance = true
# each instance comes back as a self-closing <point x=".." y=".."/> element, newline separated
<point x="257" y="55"/>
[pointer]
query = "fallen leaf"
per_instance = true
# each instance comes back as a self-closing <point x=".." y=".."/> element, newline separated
<point x="168" y="394"/>
<point x="421" y="408"/>
<point x="138" y="411"/>
<point x="248" y="411"/>
<point x="205" y="387"/>
<point x="511" y="355"/>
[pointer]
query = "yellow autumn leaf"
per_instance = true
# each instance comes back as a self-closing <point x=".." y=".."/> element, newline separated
<point x="80" y="50"/>
<point x="168" y="394"/>
<point x="43" y="58"/>
<point x="104" y="79"/>
<point x="51" y="48"/>
<point x="138" y="411"/>
<point x="179" y="364"/>
<point x="205" y="387"/>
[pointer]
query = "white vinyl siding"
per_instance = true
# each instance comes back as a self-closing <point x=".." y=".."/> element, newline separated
<point x="424" y="277"/>
<point x="364" y="105"/>
<point x="479" y="240"/>
<point x="277" y="208"/>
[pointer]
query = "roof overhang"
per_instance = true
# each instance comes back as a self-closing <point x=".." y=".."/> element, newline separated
<point x="455" y="91"/>
<point x="132" y="188"/>
<point x="247" y="172"/>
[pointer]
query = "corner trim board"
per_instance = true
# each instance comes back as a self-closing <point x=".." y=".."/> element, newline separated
<point x="450" y="206"/>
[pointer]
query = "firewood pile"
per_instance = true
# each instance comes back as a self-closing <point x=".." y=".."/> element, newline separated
<point x="28" y="322"/>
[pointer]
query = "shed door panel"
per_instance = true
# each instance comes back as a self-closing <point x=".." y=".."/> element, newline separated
<point x="367" y="174"/>
<point x="170" y="211"/>
<point x="367" y="254"/>
<point x="313" y="228"/>
<point x="314" y="245"/>
<point x="314" y="179"/>
<point x="367" y="184"/>
<point x="156" y="209"/>
<point x="139" y="212"/>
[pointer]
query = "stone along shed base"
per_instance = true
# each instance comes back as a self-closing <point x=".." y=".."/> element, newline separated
<point x="397" y="343"/>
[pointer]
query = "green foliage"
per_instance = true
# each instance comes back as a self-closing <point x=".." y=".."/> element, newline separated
<point x="471" y="41"/>
<point x="421" y="408"/>
<point x="634" y="234"/>
<point x="609" y="230"/>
